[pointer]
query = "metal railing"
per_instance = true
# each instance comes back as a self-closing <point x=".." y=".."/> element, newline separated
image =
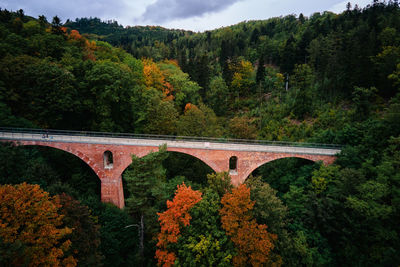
<point x="164" y="137"/>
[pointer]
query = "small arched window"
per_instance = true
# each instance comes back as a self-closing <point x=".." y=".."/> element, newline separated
<point x="108" y="160"/>
<point x="233" y="165"/>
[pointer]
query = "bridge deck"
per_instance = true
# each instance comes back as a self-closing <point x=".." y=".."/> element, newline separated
<point x="170" y="141"/>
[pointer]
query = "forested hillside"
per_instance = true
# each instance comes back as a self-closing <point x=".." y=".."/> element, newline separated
<point x="327" y="78"/>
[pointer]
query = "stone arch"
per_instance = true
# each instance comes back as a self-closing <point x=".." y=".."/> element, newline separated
<point x="69" y="150"/>
<point x="111" y="183"/>
<point x="282" y="156"/>
<point x="199" y="154"/>
<point x="190" y="152"/>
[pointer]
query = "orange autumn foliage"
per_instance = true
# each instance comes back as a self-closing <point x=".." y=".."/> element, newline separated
<point x="154" y="77"/>
<point x="30" y="216"/>
<point x="252" y="240"/>
<point x="190" y="106"/>
<point x="88" y="46"/>
<point x="74" y="34"/>
<point x="171" y="220"/>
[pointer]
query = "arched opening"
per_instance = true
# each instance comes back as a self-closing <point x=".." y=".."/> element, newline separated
<point x="280" y="174"/>
<point x="179" y="167"/>
<point x="233" y="165"/>
<point x="108" y="160"/>
<point x="187" y="166"/>
<point x="55" y="170"/>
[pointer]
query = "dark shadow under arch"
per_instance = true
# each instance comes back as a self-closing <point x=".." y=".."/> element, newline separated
<point x="283" y="172"/>
<point x="189" y="166"/>
<point x="72" y="169"/>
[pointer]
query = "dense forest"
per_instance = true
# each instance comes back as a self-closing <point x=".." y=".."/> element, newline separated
<point x="327" y="78"/>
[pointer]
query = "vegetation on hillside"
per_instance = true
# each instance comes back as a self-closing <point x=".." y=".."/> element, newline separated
<point x="327" y="78"/>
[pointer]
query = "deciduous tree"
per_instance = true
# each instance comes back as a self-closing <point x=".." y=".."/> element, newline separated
<point x="31" y="217"/>
<point x="171" y="221"/>
<point x="252" y="240"/>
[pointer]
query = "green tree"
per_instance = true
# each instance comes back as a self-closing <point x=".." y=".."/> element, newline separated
<point x="119" y="243"/>
<point x="362" y="98"/>
<point x="302" y="83"/>
<point x="198" y="121"/>
<point x="85" y="237"/>
<point x="220" y="183"/>
<point x="204" y="242"/>
<point x="161" y="116"/>
<point x="217" y="96"/>
<point x="185" y="90"/>
<point x="145" y="180"/>
<point x="112" y="97"/>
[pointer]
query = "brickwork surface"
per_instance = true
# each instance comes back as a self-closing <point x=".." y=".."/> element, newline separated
<point x="111" y="179"/>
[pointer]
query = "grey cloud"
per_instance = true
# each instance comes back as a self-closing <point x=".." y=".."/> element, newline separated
<point x="164" y="10"/>
<point x="68" y="9"/>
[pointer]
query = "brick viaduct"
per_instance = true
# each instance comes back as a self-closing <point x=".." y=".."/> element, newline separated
<point x="109" y="156"/>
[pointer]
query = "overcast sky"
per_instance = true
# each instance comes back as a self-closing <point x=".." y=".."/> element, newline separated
<point x="195" y="15"/>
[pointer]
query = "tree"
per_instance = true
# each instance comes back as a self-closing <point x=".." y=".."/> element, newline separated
<point x="145" y="179"/>
<point x="85" y="237"/>
<point x="243" y="81"/>
<point x="220" y="183"/>
<point x="154" y="78"/>
<point x="162" y="117"/>
<point x="252" y="241"/>
<point x="171" y="220"/>
<point x="42" y="21"/>
<point x="204" y="242"/>
<point x="217" y="95"/>
<point x="270" y="210"/>
<point x="112" y="95"/>
<point x="56" y="26"/>
<point x="303" y="80"/>
<point x="185" y="90"/>
<point x="323" y="176"/>
<point x="30" y="217"/>
<point x="362" y="98"/>
<point x="241" y="127"/>
<point x="119" y="243"/>
<point x="260" y="75"/>
<point x="198" y="121"/>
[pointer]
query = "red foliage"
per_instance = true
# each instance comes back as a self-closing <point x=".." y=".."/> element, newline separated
<point x="176" y="215"/>
<point x="251" y="239"/>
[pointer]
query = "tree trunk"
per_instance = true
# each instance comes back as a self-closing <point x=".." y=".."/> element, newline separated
<point x="141" y="237"/>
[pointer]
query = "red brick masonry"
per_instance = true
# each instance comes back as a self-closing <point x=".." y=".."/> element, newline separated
<point x="111" y="179"/>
